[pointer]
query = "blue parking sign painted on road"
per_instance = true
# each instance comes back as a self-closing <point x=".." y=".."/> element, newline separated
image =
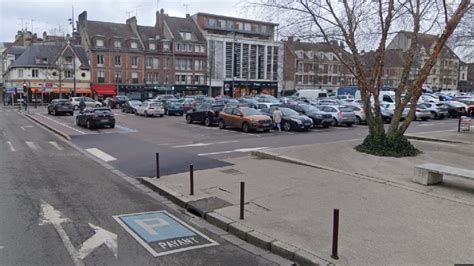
<point x="161" y="233"/>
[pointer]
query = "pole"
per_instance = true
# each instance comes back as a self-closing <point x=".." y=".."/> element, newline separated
<point x="242" y="200"/>
<point x="157" y="165"/>
<point x="459" y="123"/>
<point x="335" y="234"/>
<point x="191" y="179"/>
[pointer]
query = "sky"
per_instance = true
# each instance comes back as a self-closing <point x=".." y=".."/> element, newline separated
<point x="52" y="15"/>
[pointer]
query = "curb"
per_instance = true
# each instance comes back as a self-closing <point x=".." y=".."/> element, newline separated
<point x="437" y="140"/>
<point x="261" y="240"/>
<point x="56" y="131"/>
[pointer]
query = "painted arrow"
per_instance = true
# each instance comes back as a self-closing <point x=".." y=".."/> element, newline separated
<point x="49" y="215"/>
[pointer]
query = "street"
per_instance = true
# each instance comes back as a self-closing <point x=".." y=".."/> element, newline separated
<point x="58" y="205"/>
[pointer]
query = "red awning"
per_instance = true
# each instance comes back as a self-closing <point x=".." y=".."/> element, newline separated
<point x="104" y="89"/>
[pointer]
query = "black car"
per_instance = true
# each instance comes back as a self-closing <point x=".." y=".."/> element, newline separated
<point x="455" y="109"/>
<point x="319" y="117"/>
<point x="60" y="106"/>
<point x="95" y="117"/>
<point x="291" y="120"/>
<point x="205" y="113"/>
<point x="117" y="101"/>
<point x="130" y="106"/>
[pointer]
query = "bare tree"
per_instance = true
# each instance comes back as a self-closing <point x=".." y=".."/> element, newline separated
<point x="369" y="24"/>
<point x="462" y="39"/>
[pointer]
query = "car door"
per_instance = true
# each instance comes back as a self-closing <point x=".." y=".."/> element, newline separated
<point x="199" y="112"/>
<point x="237" y="118"/>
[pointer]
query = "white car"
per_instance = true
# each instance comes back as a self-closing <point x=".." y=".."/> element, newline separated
<point x="359" y="112"/>
<point x="88" y="101"/>
<point x="150" y="109"/>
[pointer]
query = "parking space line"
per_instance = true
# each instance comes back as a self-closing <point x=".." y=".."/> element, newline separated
<point x="56" y="145"/>
<point x="11" y="146"/>
<point x="204" y="144"/>
<point x="101" y="155"/>
<point x="232" y="151"/>
<point x="31" y="145"/>
<point x="64" y="125"/>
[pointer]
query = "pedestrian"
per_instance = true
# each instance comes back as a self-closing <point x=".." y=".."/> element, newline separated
<point x="277" y="114"/>
<point x="25" y="102"/>
<point x="82" y="105"/>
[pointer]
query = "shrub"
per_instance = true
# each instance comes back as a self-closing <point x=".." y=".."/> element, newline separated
<point x="381" y="145"/>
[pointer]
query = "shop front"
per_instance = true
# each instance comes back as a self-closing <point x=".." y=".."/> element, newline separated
<point x="142" y="91"/>
<point x="190" y="90"/>
<point x="102" y="91"/>
<point x="238" y="89"/>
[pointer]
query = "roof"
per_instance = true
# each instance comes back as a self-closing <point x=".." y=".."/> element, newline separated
<point x="428" y="40"/>
<point x="15" y="50"/>
<point x="177" y="25"/>
<point x="109" y="31"/>
<point x="234" y="18"/>
<point x="317" y="47"/>
<point x="392" y="58"/>
<point x="148" y="32"/>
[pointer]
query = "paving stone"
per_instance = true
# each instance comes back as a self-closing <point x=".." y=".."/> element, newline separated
<point x="239" y="230"/>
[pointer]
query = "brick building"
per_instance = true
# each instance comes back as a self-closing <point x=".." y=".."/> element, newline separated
<point x="315" y="66"/>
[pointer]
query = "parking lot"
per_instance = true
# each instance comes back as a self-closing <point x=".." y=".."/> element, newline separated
<point x="132" y="144"/>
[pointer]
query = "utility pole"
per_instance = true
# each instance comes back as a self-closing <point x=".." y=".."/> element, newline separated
<point x="71" y="21"/>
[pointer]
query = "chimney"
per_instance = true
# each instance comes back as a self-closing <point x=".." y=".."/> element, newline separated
<point x="291" y="38"/>
<point x="188" y="16"/>
<point x="132" y="22"/>
<point x="82" y="24"/>
<point x="45" y="36"/>
<point x="160" y="20"/>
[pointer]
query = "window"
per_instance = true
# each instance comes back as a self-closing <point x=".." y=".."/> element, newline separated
<point x="196" y="79"/>
<point x="156" y="63"/>
<point x="166" y="47"/>
<point x="134" y="61"/>
<point x="222" y="23"/>
<point x="100" y="60"/>
<point x="188" y="79"/>
<point x="247" y="27"/>
<point x="133" y="45"/>
<point x="34" y="73"/>
<point x="212" y="22"/>
<point x="99" y="43"/>
<point x="264" y="29"/>
<point x="185" y="35"/>
<point x="117" y="44"/>
<point x="118" y="77"/>
<point x="68" y="59"/>
<point x="134" y="77"/>
<point x="100" y="76"/>
<point x="199" y="48"/>
<point x="20" y="73"/>
<point x="152" y="46"/>
<point x="199" y="65"/>
<point x="184" y="64"/>
<point x="149" y="62"/>
<point x="117" y="60"/>
<point x="68" y="74"/>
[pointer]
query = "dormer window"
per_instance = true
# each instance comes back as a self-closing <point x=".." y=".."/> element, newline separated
<point x="99" y="43"/>
<point x="152" y="46"/>
<point x="133" y="45"/>
<point x="117" y="44"/>
<point x="186" y="35"/>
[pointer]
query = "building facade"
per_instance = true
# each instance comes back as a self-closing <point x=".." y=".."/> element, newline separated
<point x="243" y="57"/>
<point x="466" y="77"/>
<point x="315" y="66"/>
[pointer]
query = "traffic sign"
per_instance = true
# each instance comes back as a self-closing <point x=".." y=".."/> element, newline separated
<point x="161" y="233"/>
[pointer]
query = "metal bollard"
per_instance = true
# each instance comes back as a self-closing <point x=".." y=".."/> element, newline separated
<point x="157" y="165"/>
<point x="242" y="199"/>
<point x="191" y="179"/>
<point x="335" y="234"/>
<point x="459" y="123"/>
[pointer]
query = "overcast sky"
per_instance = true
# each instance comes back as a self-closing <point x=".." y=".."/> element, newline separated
<point x="52" y="15"/>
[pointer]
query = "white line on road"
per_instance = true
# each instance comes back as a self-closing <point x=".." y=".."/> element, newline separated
<point x="1" y="247"/>
<point x="64" y="125"/>
<point x="232" y="151"/>
<point x="204" y="144"/>
<point x="101" y="155"/>
<point x="31" y="145"/>
<point x="56" y="145"/>
<point x="11" y="146"/>
<point x="25" y="127"/>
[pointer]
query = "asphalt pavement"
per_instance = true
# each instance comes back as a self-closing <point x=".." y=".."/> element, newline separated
<point x="58" y="205"/>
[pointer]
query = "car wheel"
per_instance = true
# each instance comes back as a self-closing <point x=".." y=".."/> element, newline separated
<point x="287" y="126"/>
<point x="88" y="124"/>
<point x="266" y="130"/>
<point x="433" y="115"/>
<point x="77" y="122"/>
<point x="207" y="122"/>
<point x="146" y="114"/>
<point x="424" y="119"/>
<point x="97" y="105"/>
<point x="358" y="120"/>
<point x="334" y="122"/>
<point x="349" y="125"/>
<point x="75" y="107"/>
<point x="221" y="124"/>
<point x="167" y="113"/>
<point x="161" y="115"/>
<point x="189" y="119"/>
<point x="112" y="126"/>
<point x="325" y="125"/>
<point x="181" y="114"/>
<point x="71" y="113"/>
<point x="246" y="127"/>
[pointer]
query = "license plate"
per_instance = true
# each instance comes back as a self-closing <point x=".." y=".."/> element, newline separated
<point x="104" y="120"/>
<point x="266" y="125"/>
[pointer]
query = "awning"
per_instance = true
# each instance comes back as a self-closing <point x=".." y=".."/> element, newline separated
<point x="104" y="89"/>
<point x="63" y="90"/>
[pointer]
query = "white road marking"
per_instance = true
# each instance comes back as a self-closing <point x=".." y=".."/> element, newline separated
<point x="56" y="145"/>
<point x="64" y="125"/>
<point x="11" y="146"/>
<point x="31" y="145"/>
<point x="204" y="144"/>
<point x="49" y="215"/>
<point x="427" y="125"/>
<point x="1" y="247"/>
<point x="101" y="155"/>
<point x="117" y="114"/>
<point x="25" y="127"/>
<point x="232" y="151"/>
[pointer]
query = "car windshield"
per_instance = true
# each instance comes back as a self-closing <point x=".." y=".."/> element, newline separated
<point x="288" y="112"/>
<point x="155" y="104"/>
<point x="134" y="103"/>
<point x="250" y="111"/>
<point x="309" y="108"/>
<point x="217" y="107"/>
<point x="101" y="111"/>
<point x="345" y="109"/>
<point x="122" y="98"/>
<point x="232" y="101"/>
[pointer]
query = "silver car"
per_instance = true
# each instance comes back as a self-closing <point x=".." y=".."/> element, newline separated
<point x="150" y="109"/>
<point x="421" y="113"/>
<point x="436" y="112"/>
<point x="340" y="114"/>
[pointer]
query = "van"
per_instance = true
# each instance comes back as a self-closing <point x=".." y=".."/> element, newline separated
<point x="384" y="96"/>
<point x="311" y="93"/>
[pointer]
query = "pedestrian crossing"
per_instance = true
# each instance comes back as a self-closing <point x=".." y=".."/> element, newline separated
<point x="36" y="146"/>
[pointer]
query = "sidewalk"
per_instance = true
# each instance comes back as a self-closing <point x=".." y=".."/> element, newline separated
<point x="466" y="137"/>
<point x="390" y="220"/>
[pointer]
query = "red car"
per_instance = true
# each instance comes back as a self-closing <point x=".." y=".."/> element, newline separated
<point x="470" y="110"/>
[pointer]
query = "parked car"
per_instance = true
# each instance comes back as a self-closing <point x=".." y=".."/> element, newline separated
<point x="245" y="118"/>
<point x="189" y="105"/>
<point x="173" y="107"/>
<point x="340" y="114"/>
<point x="130" y="106"/>
<point x="88" y="101"/>
<point x="95" y="117"/>
<point x="60" y="106"/>
<point x="455" y="109"/>
<point x="359" y="113"/>
<point x="319" y="117"/>
<point x="117" y="101"/>
<point x="436" y="112"/>
<point x="165" y="97"/>
<point x="150" y="109"/>
<point x="249" y="101"/>
<point x="205" y="113"/>
<point x="470" y="110"/>
<point x="420" y="113"/>
<point x="291" y="120"/>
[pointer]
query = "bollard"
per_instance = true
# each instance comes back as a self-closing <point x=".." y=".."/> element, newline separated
<point x="459" y="123"/>
<point x="157" y="165"/>
<point x="191" y="179"/>
<point x="242" y="199"/>
<point x="335" y="234"/>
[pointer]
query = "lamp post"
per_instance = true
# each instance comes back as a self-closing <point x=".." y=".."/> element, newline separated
<point x="71" y="21"/>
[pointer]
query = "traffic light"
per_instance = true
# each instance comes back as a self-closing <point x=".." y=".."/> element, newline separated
<point x="25" y="88"/>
